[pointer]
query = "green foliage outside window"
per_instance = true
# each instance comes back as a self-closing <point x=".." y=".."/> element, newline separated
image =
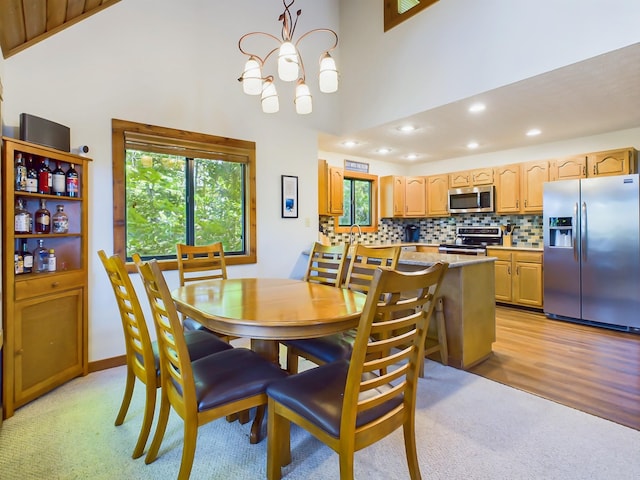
<point x="158" y="213"/>
<point x="356" y="203"/>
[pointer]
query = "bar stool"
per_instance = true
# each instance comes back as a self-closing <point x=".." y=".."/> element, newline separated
<point x="432" y="346"/>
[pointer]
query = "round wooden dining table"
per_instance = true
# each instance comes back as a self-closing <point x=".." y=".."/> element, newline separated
<point x="270" y="308"/>
<point x="267" y="310"/>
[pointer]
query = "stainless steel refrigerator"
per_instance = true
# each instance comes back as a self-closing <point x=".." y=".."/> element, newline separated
<point x="592" y="251"/>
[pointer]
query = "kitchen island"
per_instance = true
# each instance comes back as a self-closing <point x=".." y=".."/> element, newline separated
<point x="468" y="294"/>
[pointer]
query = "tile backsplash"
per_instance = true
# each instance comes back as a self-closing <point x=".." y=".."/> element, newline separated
<point x="443" y="230"/>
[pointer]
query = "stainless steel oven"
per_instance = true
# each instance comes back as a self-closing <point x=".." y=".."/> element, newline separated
<point x="472" y="240"/>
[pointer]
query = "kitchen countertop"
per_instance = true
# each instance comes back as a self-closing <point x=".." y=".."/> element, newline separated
<point x="454" y="261"/>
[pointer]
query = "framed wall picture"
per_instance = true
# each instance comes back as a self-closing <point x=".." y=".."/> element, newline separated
<point x="289" y="196"/>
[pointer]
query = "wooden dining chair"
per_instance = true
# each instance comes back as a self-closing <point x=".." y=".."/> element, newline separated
<point x="141" y="352"/>
<point x="347" y="404"/>
<point x="215" y="386"/>
<point x="362" y="265"/>
<point x="197" y="263"/>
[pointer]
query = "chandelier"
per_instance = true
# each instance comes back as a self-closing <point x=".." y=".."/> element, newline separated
<point x="290" y="66"/>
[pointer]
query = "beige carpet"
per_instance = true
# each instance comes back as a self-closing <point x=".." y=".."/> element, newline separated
<point x="468" y="428"/>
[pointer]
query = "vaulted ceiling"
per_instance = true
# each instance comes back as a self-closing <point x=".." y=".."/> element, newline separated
<point x="26" y="22"/>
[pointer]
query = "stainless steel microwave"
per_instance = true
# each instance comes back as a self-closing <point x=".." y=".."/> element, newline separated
<point x="471" y="199"/>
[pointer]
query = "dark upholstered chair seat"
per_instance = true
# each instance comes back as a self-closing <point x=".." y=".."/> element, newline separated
<point x="329" y="348"/>
<point x="199" y="343"/>
<point x="318" y="394"/>
<point x="232" y="375"/>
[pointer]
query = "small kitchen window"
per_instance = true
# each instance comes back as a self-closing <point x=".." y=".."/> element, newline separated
<point x="360" y="201"/>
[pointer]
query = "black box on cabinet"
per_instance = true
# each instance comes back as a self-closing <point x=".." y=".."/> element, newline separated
<point x="44" y="132"/>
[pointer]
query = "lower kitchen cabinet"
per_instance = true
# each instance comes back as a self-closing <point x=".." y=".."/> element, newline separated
<point x="518" y="276"/>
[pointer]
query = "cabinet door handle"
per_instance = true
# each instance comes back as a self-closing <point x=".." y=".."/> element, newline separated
<point x="509" y="270"/>
<point x="55" y="284"/>
<point x="517" y="270"/>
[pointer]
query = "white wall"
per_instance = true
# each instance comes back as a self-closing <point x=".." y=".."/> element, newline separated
<point x="174" y="64"/>
<point x="458" y="48"/>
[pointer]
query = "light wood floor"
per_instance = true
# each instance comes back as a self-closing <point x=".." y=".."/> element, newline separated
<point x="588" y="368"/>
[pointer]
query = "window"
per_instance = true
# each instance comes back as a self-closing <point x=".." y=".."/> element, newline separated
<point x="172" y="186"/>
<point x="360" y="202"/>
<point x="397" y="11"/>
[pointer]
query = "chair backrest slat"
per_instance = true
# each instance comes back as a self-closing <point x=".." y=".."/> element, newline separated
<point x="326" y="264"/>
<point x="200" y="262"/>
<point x="363" y="263"/>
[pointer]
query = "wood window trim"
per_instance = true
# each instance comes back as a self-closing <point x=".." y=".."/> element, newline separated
<point x="118" y="129"/>
<point x="393" y="18"/>
<point x="374" y="203"/>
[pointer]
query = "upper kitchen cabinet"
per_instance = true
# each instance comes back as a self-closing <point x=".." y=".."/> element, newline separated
<point x="569" y="168"/>
<point x="403" y="196"/>
<point x="507" y="182"/>
<point x="437" y="196"/>
<point x="598" y="164"/>
<point x="471" y="178"/>
<point x="612" y="162"/>
<point x="330" y="189"/>
<point x="533" y="176"/>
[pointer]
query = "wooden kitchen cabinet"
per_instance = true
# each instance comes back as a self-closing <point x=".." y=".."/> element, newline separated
<point x="403" y="196"/>
<point x="534" y="174"/>
<point x="518" y="276"/>
<point x="507" y="182"/>
<point x="569" y="168"/>
<point x="330" y="189"/>
<point x="44" y="314"/>
<point x="438" y="196"/>
<point x="612" y="162"/>
<point x="471" y="178"/>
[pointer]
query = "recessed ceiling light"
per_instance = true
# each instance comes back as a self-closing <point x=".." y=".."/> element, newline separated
<point x="349" y="143"/>
<point x="408" y="128"/>
<point x="383" y="150"/>
<point x="411" y="156"/>
<point x="533" y="132"/>
<point x="472" y="145"/>
<point x="477" y="107"/>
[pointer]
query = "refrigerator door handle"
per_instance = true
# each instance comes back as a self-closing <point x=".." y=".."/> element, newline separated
<point x="583" y="232"/>
<point x="573" y="232"/>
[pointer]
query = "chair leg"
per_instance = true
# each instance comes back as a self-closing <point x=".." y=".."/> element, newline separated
<point x="189" y="448"/>
<point x="147" y="420"/>
<point x="292" y="360"/>
<point x="126" y="399"/>
<point x="410" y="448"/>
<point x="346" y="465"/>
<point x="278" y="443"/>
<point x="163" y="419"/>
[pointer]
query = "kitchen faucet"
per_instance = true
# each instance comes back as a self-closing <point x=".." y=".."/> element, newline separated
<point x="351" y="232"/>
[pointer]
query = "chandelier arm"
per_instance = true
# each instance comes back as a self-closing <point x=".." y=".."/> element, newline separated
<point x="257" y="33"/>
<point x="328" y="30"/>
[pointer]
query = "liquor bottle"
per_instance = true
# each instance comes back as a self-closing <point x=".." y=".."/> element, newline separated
<point x="51" y="260"/>
<point x="23" y="222"/>
<point x="73" y="182"/>
<point x="41" y="258"/>
<point x="21" y="173"/>
<point x="60" y="221"/>
<point x="58" y="181"/>
<point x="43" y="218"/>
<point x="27" y="258"/>
<point x="44" y="177"/>
<point x="18" y="262"/>
<point x="32" y="176"/>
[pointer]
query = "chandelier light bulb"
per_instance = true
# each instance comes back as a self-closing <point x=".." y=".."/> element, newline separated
<point x="252" y="77"/>
<point x="270" y="102"/>
<point x="288" y="62"/>
<point x="303" y="99"/>
<point x="328" y="79"/>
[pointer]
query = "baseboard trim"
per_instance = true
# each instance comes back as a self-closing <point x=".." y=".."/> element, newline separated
<point x="107" y="363"/>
